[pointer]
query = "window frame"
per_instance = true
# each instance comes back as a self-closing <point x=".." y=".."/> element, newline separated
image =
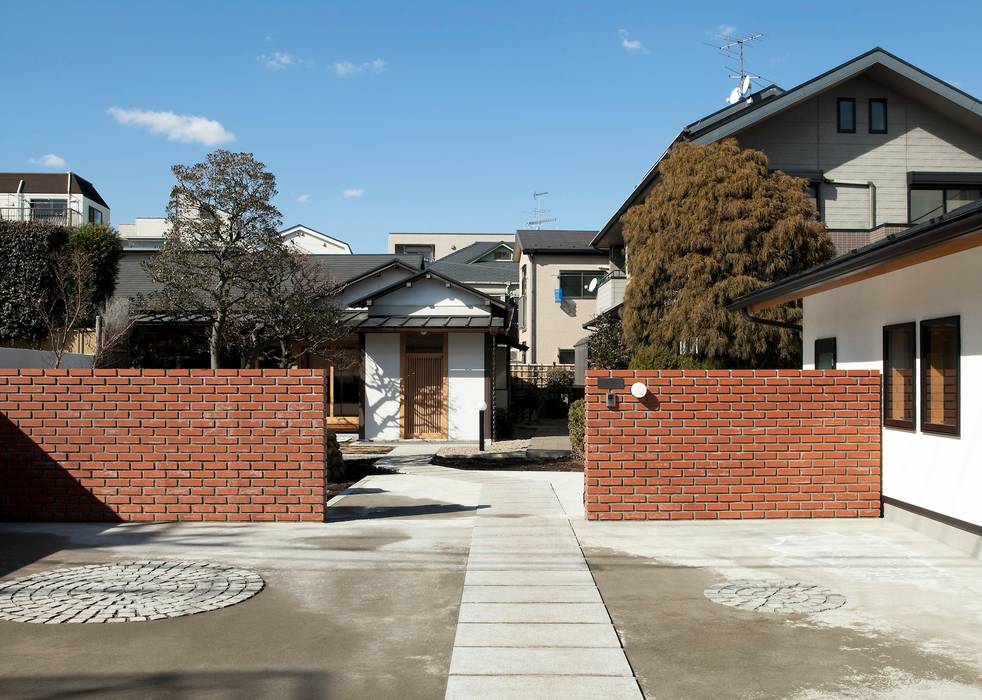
<point x="559" y="356"/>
<point x="400" y="249"/>
<point x="890" y="422"/>
<point x="835" y="352"/>
<point x="838" y="114"/>
<point x="869" y="115"/>
<point x="93" y="212"/>
<point x="582" y="274"/>
<point x="936" y="428"/>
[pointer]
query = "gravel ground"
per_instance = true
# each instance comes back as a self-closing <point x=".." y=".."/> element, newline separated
<point x="499" y="446"/>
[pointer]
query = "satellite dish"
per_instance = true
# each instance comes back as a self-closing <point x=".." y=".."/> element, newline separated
<point x="745" y="84"/>
<point x="592" y="286"/>
<point x="734" y="96"/>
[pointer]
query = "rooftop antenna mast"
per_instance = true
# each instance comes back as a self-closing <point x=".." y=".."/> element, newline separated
<point x="538" y="213"/>
<point x="733" y="49"/>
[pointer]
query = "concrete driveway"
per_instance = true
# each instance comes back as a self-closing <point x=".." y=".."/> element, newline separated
<point x="370" y="604"/>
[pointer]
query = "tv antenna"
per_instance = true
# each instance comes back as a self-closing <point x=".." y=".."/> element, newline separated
<point x="733" y="50"/>
<point x="538" y="213"/>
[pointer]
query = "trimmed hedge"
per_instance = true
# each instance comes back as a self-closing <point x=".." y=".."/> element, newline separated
<point x="576" y="418"/>
<point x="26" y="250"/>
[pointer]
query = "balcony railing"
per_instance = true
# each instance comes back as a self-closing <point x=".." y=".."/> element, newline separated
<point x="610" y="291"/>
<point x="57" y="217"/>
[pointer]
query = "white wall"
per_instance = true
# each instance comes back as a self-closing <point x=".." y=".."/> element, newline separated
<point x="937" y="472"/>
<point x="428" y="297"/>
<point x="372" y="284"/>
<point x="465" y="366"/>
<point x="382" y="381"/>
<point x="446" y="243"/>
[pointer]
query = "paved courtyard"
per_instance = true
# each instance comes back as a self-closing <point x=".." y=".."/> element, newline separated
<point x="438" y="583"/>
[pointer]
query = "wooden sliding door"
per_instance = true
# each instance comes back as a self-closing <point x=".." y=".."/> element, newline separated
<point x="424" y="381"/>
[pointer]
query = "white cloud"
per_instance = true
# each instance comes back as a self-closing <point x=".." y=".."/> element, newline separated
<point x="50" y="160"/>
<point x="303" y="199"/>
<point x="176" y="127"/>
<point x="629" y="44"/>
<point x="278" y="60"/>
<point x="347" y="69"/>
<point x="353" y="193"/>
<point x="725" y="30"/>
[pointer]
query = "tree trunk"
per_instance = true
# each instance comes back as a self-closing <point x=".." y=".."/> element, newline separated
<point x="214" y="342"/>
<point x="284" y="355"/>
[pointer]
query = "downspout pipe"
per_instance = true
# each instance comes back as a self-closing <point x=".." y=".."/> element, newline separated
<point x="769" y="322"/>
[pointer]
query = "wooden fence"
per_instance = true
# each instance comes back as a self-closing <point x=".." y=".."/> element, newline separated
<point x="535" y="374"/>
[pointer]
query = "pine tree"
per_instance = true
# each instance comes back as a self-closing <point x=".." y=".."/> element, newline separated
<point x="718" y="224"/>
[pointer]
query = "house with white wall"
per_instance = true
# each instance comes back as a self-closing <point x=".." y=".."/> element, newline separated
<point x="435" y="245"/>
<point x="910" y="306"/>
<point x="424" y="352"/>
<point x="149" y="232"/>
<point x="66" y="199"/>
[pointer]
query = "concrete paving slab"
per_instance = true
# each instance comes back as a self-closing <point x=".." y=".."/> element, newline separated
<point x="507" y="661"/>
<point x="531" y="594"/>
<point x="533" y="612"/>
<point x="528" y="577"/>
<point x="542" y="688"/>
<point x="484" y="634"/>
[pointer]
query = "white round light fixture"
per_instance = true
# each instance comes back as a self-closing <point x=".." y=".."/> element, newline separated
<point x="638" y="390"/>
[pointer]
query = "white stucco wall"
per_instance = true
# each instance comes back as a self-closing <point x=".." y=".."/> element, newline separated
<point x="382" y="380"/>
<point x="938" y="472"/>
<point x="427" y="297"/>
<point x="465" y="367"/>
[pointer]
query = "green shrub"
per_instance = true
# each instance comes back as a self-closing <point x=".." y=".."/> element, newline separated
<point x="26" y="252"/>
<point x="558" y="379"/>
<point x="577" y="414"/>
<point x="103" y="249"/>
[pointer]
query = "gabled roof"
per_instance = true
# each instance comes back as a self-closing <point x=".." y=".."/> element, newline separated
<point x="478" y="273"/>
<point x="50" y="183"/>
<point x="554" y="241"/>
<point x="476" y="251"/>
<point x="772" y="100"/>
<point x="308" y="231"/>
<point x="425" y="274"/>
<point x="957" y="230"/>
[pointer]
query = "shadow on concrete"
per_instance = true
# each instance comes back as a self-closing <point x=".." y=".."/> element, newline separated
<point x="295" y="685"/>
<point x="341" y="513"/>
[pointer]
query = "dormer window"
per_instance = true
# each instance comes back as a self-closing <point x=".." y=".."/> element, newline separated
<point x="877" y="115"/>
<point x="846" y="115"/>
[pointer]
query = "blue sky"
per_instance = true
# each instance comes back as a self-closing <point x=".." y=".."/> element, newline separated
<point x="413" y="116"/>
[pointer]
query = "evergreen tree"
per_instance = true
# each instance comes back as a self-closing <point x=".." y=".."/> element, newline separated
<point x="718" y="224"/>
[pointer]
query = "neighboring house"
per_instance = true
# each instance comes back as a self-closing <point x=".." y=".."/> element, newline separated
<point x="558" y="277"/>
<point x="149" y="232"/>
<point x="433" y="246"/>
<point x="486" y="266"/>
<point x="882" y="143"/>
<point x="424" y="353"/>
<point x="911" y="307"/>
<point x="66" y="199"/>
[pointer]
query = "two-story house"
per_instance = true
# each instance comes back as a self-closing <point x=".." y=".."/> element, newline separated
<point x="883" y="143"/>
<point x="433" y="246"/>
<point x="66" y="199"/>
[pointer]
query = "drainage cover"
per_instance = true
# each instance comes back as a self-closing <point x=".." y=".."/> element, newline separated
<point x="125" y="592"/>
<point x="775" y="596"/>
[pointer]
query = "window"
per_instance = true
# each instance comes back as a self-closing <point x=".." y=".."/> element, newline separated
<point x="567" y="357"/>
<point x="877" y="115"/>
<point x="576" y="284"/>
<point x="49" y="210"/>
<point x="503" y="254"/>
<point x="345" y="391"/>
<point x="825" y="353"/>
<point x="845" y="108"/>
<point x="940" y="350"/>
<point x="427" y="251"/>
<point x="812" y="193"/>
<point x="927" y="203"/>
<point x="898" y="375"/>
<point x="95" y="215"/>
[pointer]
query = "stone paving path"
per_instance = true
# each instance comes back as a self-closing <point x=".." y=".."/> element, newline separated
<point x="532" y="623"/>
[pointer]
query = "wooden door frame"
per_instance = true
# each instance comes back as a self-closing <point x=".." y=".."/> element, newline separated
<point x="445" y="381"/>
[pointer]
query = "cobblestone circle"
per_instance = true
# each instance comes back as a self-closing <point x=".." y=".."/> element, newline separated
<point x="125" y="592"/>
<point x="775" y="596"/>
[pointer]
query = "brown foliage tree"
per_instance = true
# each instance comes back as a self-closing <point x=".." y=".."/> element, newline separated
<point x="717" y="225"/>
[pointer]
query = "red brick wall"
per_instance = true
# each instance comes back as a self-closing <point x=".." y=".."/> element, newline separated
<point x="161" y="445"/>
<point x="734" y="444"/>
